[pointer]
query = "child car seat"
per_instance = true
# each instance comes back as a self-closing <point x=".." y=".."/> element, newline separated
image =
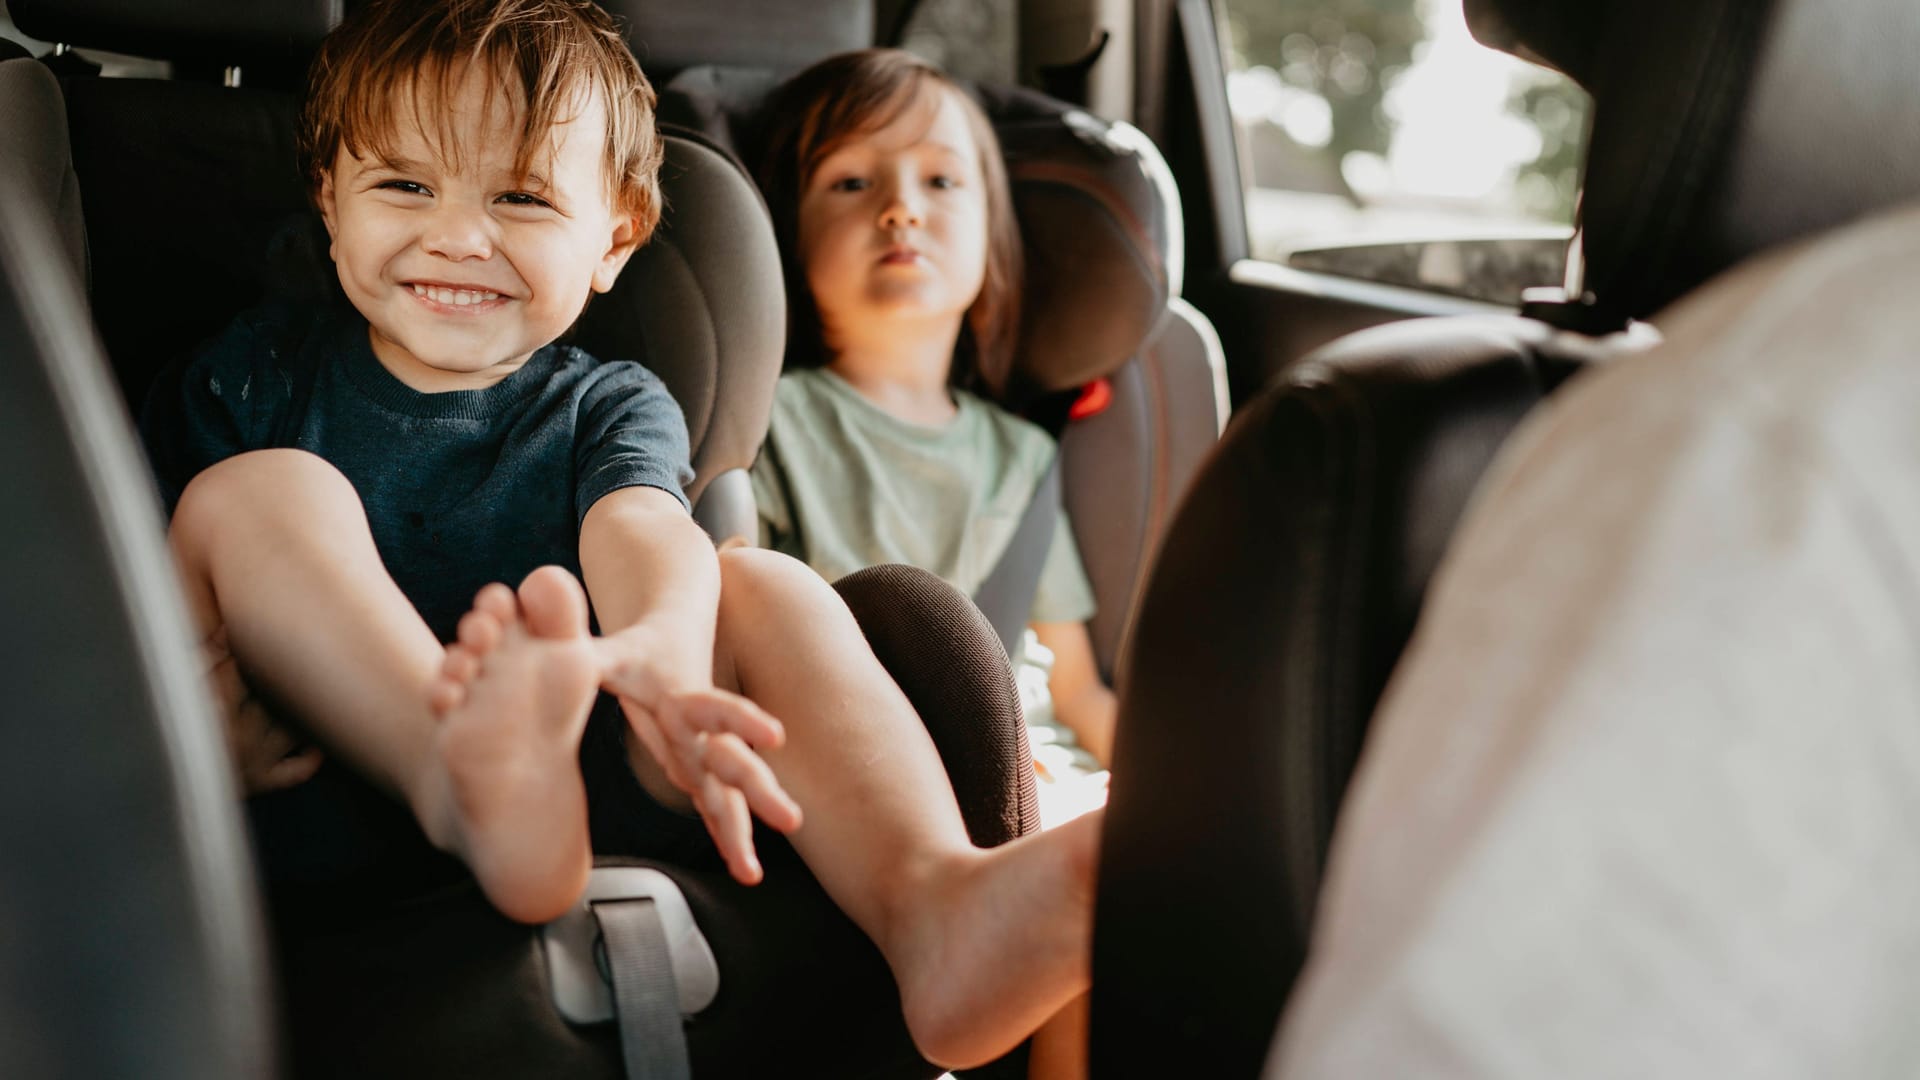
<point x="1297" y="566"/>
<point x="193" y="207"/>
<point x="1100" y="225"/>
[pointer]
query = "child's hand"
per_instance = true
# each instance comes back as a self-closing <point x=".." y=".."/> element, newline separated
<point x="266" y="756"/>
<point x="706" y="740"/>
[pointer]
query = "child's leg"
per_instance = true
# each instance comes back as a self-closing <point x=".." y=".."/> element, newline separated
<point x="984" y="944"/>
<point x="275" y="550"/>
<point x="1059" y="1048"/>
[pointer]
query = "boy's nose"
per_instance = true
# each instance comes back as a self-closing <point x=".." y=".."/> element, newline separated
<point x="458" y="234"/>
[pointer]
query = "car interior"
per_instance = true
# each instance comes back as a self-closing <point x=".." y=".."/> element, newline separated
<point x="1264" y="463"/>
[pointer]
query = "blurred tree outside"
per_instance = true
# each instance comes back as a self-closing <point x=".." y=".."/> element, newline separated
<point x="1335" y="62"/>
<point x="1348" y="52"/>
<point x="1557" y="109"/>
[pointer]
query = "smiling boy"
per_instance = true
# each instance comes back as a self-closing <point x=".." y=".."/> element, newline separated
<point x="346" y="486"/>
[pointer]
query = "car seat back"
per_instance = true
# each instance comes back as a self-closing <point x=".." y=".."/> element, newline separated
<point x="1295" y="573"/>
<point x="133" y="944"/>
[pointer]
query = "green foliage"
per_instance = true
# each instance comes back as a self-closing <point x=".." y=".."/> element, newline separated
<point x="1347" y="51"/>
<point x="1557" y="109"/>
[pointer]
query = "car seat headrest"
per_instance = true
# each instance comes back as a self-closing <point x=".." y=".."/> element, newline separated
<point x="671" y="35"/>
<point x="1099" y="218"/>
<point x="1722" y="127"/>
<point x="202" y="31"/>
<point x="702" y="305"/>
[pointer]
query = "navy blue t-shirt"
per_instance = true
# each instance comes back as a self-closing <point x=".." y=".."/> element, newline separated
<point x="461" y="488"/>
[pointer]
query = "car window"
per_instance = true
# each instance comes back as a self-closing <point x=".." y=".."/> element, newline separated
<point x="1378" y="140"/>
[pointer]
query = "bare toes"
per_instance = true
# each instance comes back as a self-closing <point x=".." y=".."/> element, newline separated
<point x="554" y="603"/>
<point x="481" y="632"/>
<point x="497" y="600"/>
<point x="460" y="666"/>
<point x="444" y="695"/>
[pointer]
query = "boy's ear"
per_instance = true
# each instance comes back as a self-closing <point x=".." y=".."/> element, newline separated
<point x="625" y="241"/>
<point x="326" y="202"/>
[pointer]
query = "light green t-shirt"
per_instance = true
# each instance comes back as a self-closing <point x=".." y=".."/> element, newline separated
<point x="843" y="485"/>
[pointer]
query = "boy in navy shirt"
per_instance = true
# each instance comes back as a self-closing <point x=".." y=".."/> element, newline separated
<point x="348" y="488"/>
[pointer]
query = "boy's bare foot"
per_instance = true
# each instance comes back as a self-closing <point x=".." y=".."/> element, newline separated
<point x="998" y="945"/>
<point x="513" y="699"/>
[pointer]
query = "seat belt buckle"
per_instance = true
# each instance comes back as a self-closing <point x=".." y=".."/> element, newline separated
<point x="580" y="985"/>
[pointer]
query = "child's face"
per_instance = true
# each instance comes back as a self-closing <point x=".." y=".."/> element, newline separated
<point x="463" y="273"/>
<point x="893" y="224"/>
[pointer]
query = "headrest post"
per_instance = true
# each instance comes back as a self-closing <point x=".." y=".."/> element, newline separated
<point x="230" y="78"/>
<point x="1574" y="282"/>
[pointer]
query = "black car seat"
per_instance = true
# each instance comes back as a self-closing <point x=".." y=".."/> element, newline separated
<point x="133" y="944"/>
<point x="1127" y="375"/>
<point x="192" y="209"/>
<point x="1296" y="570"/>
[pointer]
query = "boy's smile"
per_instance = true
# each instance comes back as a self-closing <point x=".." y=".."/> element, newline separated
<point x="462" y="268"/>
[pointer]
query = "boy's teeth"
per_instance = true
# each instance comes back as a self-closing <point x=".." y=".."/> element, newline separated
<point x="454" y="297"/>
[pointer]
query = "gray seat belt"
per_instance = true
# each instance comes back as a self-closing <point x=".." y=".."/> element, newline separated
<point x="630" y="952"/>
<point x="1006" y="596"/>
<point x="645" y="998"/>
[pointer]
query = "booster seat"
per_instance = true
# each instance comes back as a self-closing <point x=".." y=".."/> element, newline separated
<point x="1310" y="537"/>
<point x="1103" y="326"/>
<point x="192" y="209"/>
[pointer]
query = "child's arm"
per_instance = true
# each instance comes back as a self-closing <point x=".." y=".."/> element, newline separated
<point x="655" y="585"/>
<point x="1081" y="701"/>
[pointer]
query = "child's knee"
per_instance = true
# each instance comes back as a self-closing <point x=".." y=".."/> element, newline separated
<point x="757" y="585"/>
<point x="260" y="483"/>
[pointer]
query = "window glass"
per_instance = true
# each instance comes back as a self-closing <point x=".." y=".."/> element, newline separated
<point x="1377" y="139"/>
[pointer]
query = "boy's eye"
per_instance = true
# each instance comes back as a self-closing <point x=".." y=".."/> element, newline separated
<point x="409" y="187"/>
<point x="848" y="183"/>
<point x="944" y="182"/>
<point x="523" y="198"/>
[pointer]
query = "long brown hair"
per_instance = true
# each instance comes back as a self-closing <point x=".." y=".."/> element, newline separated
<point x="552" y="53"/>
<point x="854" y="94"/>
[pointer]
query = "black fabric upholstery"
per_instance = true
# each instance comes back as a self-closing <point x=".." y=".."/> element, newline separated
<point x="1723" y="127"/>
<point x="186" y="188"/>
<point x="669" y="36"/>
<point x="209" y="31"/>
<point x="447" y="987"/>
<point x="1281" y="599"/>
<point x="948" y="660"/>
<point x="132" y="944"/>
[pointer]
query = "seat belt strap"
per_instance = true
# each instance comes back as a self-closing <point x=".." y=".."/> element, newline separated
<point x="1006" y="596"/>
<point x="646" y="1001"/>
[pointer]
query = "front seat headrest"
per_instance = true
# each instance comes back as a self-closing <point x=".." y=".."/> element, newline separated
<point x="1722" y="127"/>
<point x="672" y="35"/>
<point x="1099" y="218"/>
<point x="209" y="31"/>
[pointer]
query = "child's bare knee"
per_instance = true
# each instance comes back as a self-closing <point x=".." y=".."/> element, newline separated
<point x="758" y="587"/>
<point x="261" y="484"/>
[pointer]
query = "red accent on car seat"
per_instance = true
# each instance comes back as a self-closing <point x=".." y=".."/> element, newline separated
<point x="1093" y="400"/>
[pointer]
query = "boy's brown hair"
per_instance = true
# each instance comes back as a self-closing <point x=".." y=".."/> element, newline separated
<point x="551" y="53"/>
<point x="860" y="92"/>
